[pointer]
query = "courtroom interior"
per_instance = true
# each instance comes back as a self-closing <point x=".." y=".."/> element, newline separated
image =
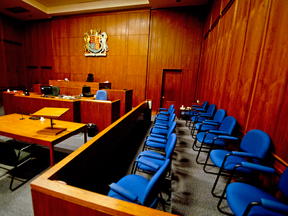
<point x="147" y="95"/>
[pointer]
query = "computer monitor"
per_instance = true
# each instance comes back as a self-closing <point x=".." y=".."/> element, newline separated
<point x="46" y="90"/>
<point x="86" y="89"/>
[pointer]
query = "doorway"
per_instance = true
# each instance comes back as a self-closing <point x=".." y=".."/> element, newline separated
<point x="171" y="88"/>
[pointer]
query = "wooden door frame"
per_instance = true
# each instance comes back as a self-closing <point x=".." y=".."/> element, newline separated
<point x="162" y="87"/>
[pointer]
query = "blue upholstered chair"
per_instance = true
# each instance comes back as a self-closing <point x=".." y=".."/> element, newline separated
<point x="254" y="146"/>
<point x="101" y="95"/>
<point x="195" y="111"/>
<point x="245" y="199"/>
<point x="209" y="124"/>
<point x="164" y="111"/>
<point x="158" y="138"/>
<point x="216" y="138"/>
<point x="209" y="114"/>
<point x="154" y="157"/>
<point x="164" y="116"/>
<point x="137" y="189"/>
<point x="164" y="124"/>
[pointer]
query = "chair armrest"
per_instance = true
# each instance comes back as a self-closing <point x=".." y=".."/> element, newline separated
<point x="162" y="109"/>
<point x="123" y="192"/>
<point x="196" y="106"/>
<point x="158" y="136"/>
<point x="149" y="163"/>
<point x="200" y="109"/>
<point x="26" y="147"/>
<point x="218" y="132"/>
<point x="274" y="206"/>
<point x="205" y="115"/>
<point x="228" y="137"/>
<point x="160" y="127"/>
<point x="210" y="123"/>
<point x="244" y="154"/>
<point x="258" y="167"/>
<point x="160" y="157"/>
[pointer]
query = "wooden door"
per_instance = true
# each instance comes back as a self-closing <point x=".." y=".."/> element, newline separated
<point x="171" y="88"/>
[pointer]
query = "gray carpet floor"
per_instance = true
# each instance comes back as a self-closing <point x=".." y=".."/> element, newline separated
<point x="190" y="186"/>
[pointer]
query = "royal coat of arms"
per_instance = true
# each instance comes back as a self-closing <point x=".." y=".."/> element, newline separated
<point x="95" y="43"/>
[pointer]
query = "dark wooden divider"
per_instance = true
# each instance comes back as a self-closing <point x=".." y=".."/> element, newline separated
<point x="90" y="169"/>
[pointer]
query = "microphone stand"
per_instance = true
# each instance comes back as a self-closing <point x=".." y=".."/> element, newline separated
<point x="21" y="113"/>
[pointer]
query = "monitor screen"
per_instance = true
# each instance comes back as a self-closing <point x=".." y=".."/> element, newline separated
<point x="46" y="90"/>
<point x="86" y="89"/>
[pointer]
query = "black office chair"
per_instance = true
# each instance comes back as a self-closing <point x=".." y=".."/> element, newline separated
<point x="55" y="90"/>
<point x="13" y="157"/>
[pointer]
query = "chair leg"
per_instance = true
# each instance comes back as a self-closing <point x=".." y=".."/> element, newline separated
<point x="162" y="200"/>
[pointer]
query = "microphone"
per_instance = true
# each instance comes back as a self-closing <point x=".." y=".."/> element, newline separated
<point x="21" y="113"/>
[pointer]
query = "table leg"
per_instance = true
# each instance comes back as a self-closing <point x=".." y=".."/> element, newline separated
<point x="52" y="156"/>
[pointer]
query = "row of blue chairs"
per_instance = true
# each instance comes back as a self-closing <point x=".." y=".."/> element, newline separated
<point x="214" y="131"/>
<point x="155" y="159"/>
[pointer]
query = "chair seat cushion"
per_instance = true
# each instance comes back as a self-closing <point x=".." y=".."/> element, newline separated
<point x="205" y="127"/>
<point x="134" y="183"/>
<point x="149" y="154"/>
<point x="159" y="131"/>
<point x="155" y="145"/>
<point x="209" y="139"/>
<point x="197" y="119"/>
<point x="239" y="195"/>
<point x="156" y="139"/>
<point x="217" y="156"/>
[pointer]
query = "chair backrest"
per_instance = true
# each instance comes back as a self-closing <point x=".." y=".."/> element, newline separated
<point x="228" y="124"/>
<point x="205" y="105"/>
<point x="171" y="108"/>
<point x="171" y="118"/>
<point x="7" y="154"/>
<point x="171" y="128"/>
<point x="211" y="110"/>
<point x="101" y="95"/>
<point x="169" y="148"/>
<point x="282" y="183"/>
<point x="257" y="142"/>
<point x="219" y="115"/>
<point x="154" y="185"/>
<point x="55" y="90"/>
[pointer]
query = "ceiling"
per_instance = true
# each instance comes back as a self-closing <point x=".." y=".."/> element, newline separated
<point x="45" y="9"/>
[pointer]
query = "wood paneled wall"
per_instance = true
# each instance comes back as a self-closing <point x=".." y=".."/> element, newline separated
<point x="244" y="67"/>
<point x="124" y="66"/>
<point x="12" y="71"/>
<point x="175" y="43"/>
<point x="54" y="50"/>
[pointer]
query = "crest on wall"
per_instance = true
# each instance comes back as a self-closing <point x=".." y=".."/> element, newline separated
<point x="95" y="43"/>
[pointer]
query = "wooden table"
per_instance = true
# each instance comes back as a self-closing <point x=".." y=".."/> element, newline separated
<point x="26" y="130"/>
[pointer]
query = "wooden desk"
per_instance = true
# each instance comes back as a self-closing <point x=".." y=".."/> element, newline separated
<point x="26" y="130"/>
<point x="96" y="164"/>
<point x="18" y="103"/>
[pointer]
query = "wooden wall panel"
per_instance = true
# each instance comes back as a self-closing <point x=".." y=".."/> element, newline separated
<point x="251" y="53"/>
<point x="271" y="87"/>
<point x="127" y="39"/>
<point x="172" y="47"/>
<point x="230" y="95"/>
<point x="250" y="41"/>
